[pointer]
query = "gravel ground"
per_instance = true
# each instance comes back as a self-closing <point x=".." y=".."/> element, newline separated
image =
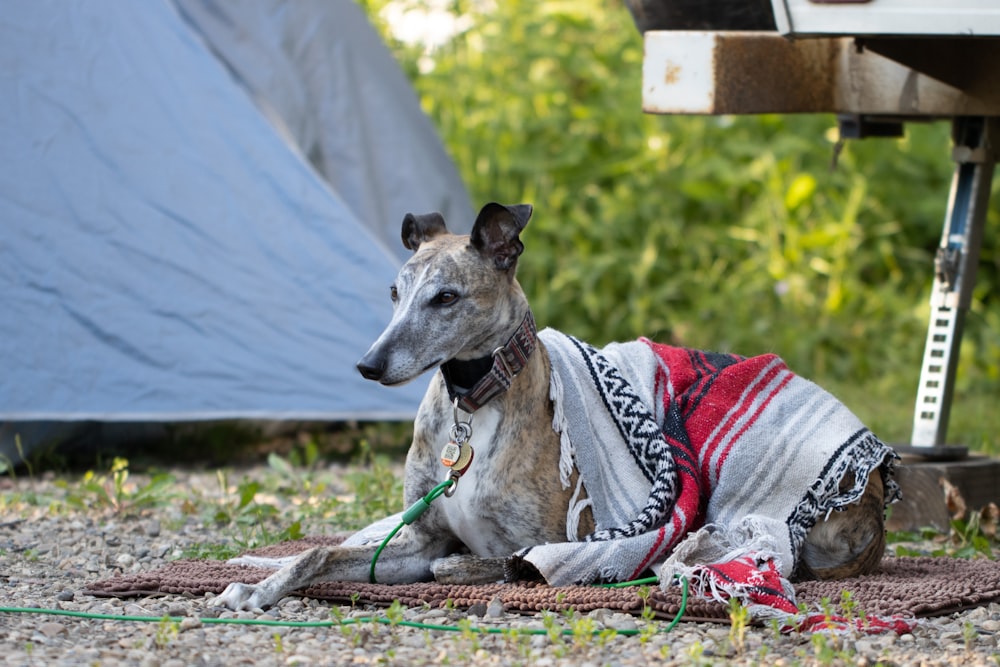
<point x="49" y="551"/>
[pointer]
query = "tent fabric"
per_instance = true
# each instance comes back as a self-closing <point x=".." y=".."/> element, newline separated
<point x="169" y="252"/>
<point x="344" y="102"/>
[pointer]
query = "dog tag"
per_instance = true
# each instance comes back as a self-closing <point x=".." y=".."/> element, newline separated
<point x="456" y="456"/>
<point x="450" y="454"/>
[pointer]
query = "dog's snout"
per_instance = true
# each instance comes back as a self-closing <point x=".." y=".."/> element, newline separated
<point x="372" y="367"/>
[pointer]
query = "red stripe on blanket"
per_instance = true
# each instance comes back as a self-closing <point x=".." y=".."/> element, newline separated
<point x="661" y="538"/>
<point x="718" y="394"/>
<point x="738" y="390"/>
<point x="713" y="470"/>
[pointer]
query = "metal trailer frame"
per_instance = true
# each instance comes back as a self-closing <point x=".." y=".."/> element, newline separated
<point x="874" y="83"/>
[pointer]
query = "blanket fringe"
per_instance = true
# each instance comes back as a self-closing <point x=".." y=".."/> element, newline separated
<point x="560" y="426"/>
<point x="576" y="508"/>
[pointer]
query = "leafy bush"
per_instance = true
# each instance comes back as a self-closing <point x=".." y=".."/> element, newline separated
<point x="726" y="233"/>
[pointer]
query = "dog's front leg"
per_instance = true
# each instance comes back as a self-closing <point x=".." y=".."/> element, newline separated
<point x="407" y="558"/>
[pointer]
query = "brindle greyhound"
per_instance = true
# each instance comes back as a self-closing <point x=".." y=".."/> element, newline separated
<point x="459" y="308"/>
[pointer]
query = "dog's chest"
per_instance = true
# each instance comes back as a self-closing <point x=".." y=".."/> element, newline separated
<point x="471" y="513"/>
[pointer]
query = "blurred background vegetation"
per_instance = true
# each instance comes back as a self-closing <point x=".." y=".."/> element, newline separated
<point x="725" y="233"/>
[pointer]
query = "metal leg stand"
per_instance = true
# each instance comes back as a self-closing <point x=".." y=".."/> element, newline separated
<point x="955" y="276"/>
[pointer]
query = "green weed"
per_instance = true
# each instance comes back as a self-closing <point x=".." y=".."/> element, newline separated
<point x="166" y="632"/>
<point x="969" y="635"/>
<point x="8" y="467"/>
<point x="113" y="491"/>
<point x="377" y="489"/>
<point x="968" y="537"/>
<point x="739" y="621"/>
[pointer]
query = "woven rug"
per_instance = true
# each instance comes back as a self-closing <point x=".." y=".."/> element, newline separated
<point x="908" y="587"/>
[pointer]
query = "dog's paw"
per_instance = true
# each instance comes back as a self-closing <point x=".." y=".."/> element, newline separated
<point x="241" y="597"/>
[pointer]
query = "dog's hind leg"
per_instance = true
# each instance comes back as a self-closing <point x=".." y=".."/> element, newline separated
<point x="850" y="542"/>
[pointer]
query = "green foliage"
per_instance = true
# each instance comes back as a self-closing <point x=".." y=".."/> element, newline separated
<point x="250" y="511"/>
<point x="114" y="491"/>
<point x="8" y="467"/>
<point x="969" y="539"/>
<point x="725" y="233"/>
<point x="378" y="491"/>
<point x="739" y="621"/>
<point x="166" y="632"/>
<point x="970" y="536"/>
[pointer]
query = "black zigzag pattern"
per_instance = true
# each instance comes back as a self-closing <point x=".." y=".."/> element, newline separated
<point x="643" y="438"/>
<point x="637" y="427"/>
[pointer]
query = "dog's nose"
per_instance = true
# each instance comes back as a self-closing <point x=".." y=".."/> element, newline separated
<point x="372" y="368"/>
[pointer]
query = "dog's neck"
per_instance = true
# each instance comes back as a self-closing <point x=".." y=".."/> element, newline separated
<point x="473" y="383"/>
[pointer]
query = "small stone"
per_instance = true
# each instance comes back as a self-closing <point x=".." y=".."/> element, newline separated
<point x="718" y="634"/>
<point x="124" y="561"/>
<point x="136" y="610"/>
<point x="977" y="614"/>
<point x="188" y="623"/>
<point x="865" y="647"/>
<point x="65" y="596"/>
<point x="291" y="605"/>
<point x="599" y="616"/>
<point x="433" y="614"/>
<point x="495" y="608"/>
<point x="151" y="528"/>
<point x="52" y="629"/>
<point x="622" y="623"/>
<point x="479" y="609"/>
<point x="176" y="610"/>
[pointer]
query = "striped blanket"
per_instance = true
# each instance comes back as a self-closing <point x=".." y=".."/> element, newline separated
<point x="711" y="466"/>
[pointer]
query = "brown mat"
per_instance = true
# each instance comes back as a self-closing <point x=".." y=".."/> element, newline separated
<point x="909" y="587"/>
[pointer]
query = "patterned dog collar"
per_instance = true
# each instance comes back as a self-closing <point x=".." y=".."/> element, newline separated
<point x="501" y="368"/>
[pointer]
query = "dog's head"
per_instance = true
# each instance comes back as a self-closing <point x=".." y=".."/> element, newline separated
<point x="456" y="298"/>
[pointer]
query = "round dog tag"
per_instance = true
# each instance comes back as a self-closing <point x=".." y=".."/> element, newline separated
<point x="456" y="456"/>
<point x="450" y="454"/>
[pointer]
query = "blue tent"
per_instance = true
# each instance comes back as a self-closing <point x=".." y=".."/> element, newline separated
<point x="200" y="205"/>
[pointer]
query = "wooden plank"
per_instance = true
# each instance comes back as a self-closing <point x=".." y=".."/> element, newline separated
<point x="698" y="72"/>
<point x="977" y="479"/>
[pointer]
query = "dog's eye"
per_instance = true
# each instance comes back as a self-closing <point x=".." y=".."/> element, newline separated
<point x="393" y="294"/>
<point x="445" y="298"/>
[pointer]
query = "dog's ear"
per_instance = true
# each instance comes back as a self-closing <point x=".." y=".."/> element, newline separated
<point x="496" y="231"/>
<point x="420" y="228"/>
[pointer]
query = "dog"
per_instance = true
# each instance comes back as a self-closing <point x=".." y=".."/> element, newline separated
<point x="458" y="308"/>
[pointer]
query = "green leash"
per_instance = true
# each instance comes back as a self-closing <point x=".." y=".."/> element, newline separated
<point x="414" y="512"/>
<point x="417" y="509"/>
